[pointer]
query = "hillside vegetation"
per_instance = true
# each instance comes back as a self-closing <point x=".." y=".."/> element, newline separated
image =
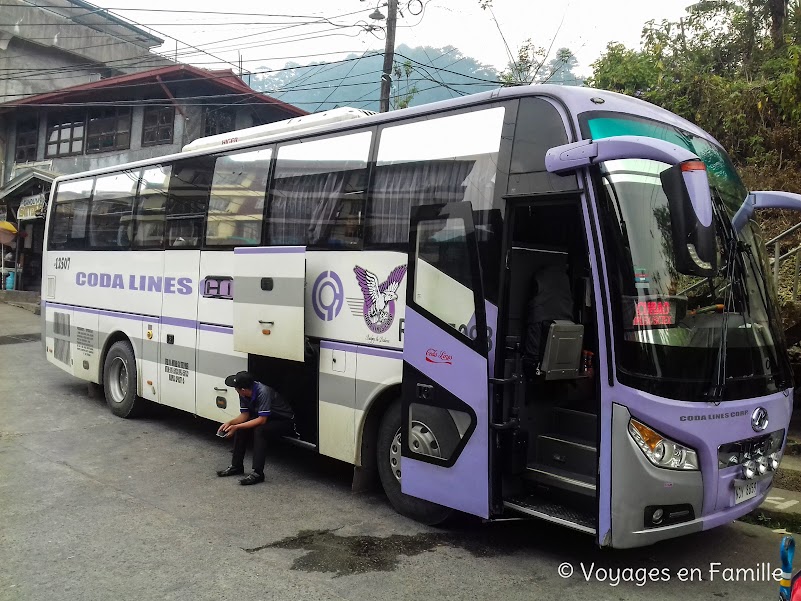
<point x="733" y="68"/>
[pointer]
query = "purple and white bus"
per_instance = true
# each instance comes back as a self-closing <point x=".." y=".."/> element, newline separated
<point x="542" y="301"/>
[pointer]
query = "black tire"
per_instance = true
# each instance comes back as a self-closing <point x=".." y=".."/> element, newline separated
<point x="419" y="510"/>
<point x="119" y="381"/>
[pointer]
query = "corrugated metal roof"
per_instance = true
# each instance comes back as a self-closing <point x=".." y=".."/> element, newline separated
<point x="224" y="78"/>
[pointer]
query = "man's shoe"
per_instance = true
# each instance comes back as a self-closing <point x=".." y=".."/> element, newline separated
<point x="231" y="471"/>
<point x="253" y="478"/>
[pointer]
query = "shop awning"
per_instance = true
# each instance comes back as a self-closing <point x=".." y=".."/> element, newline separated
<point x="7" y="232"/>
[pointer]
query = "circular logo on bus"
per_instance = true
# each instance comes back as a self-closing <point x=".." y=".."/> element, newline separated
<point x="759" y="419"/>
<point x="328" y="295"/>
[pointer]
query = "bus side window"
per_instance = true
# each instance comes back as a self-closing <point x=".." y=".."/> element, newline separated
<point x="111" y="210"/>
<point x="70" y="215"/>
<point x="147" y="230"/>
<point x="318" y="192"/>
<point x="188" y="201"/>
<point x="437" y="161"/>
<point x="236" y="206"/>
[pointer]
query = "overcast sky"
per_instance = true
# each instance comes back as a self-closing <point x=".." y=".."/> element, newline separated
<point x="277" y="32"/>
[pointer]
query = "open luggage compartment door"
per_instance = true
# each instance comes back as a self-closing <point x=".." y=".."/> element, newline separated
<point x="269" y="301"/>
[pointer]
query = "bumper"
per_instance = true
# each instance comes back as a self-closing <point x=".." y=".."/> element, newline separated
<point x="637" y="484"/>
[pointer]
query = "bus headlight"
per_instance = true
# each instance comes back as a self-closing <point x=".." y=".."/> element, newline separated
<point x="661" y="451"/>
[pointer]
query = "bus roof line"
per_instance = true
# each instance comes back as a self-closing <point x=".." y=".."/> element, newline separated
<point x="562" y="94"/>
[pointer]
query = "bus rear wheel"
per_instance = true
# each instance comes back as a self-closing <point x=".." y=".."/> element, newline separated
<point x="388" y="449"/>
<point x="119" y="381"/>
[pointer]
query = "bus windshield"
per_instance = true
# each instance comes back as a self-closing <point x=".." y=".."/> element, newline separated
<point x="678" y="335"/>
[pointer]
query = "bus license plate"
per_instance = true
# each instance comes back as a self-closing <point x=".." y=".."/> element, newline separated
<point x="744" y="491"/>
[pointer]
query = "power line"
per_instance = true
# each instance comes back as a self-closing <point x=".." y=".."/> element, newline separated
<point x="198" y="104"/>
<point x="182" y="11"/>
<point x="201" y="100"/>
<point x="338" y="86"/>
<point x="448" y="71"/>
<point x="199" y="49"/>
<point x="211" y="76"/>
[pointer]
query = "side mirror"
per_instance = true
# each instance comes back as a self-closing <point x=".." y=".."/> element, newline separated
<point x="689" y="197"/>
<point x="764" y="200"/>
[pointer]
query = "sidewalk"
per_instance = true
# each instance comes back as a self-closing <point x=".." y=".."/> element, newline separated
<point x="30" y="301"/>
<point x="18" y="320"/>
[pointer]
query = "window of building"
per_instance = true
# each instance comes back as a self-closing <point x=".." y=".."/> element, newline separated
<point x="236" y="207"/>
<point x="27" y="141"/>
<point x="218" y="120"/>
<point x="109" y="128"/>
<point x="65" y="133"/>
<point x="158" y="125"/>
<point x="150" y="207"/>
<point x="110" y="219"/>
<point x="318" y="192"/>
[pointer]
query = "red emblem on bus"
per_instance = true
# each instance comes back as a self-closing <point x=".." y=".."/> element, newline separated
<point x="435" y="356"/>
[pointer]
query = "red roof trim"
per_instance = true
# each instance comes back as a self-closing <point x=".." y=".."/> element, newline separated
<point x="223" y="77"/>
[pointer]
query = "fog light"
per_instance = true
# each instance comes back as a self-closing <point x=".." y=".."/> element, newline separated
<point x="661" y="516"/>
<point x="749" y="469"/>
<point x="656" y="518"/>
<point x="773" y="462"/>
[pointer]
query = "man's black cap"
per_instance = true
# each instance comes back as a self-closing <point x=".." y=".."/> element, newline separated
<point x="242" y="379"/>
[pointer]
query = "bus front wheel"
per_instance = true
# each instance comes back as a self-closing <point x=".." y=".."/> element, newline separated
<point x="388" y="449"/>
<point x="119" y="380"/>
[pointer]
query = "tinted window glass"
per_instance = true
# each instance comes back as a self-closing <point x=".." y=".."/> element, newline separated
<point x="443" y="280"/>
<point x="150" y="207"/>
<point x="539" y="128"/>
<point x="318" y="192"/>
<point x="433" y="162"/>
<point x="70" y="213"/>
<point x="188" y="200"/>
<point x="236" y="206"/>
<point x="112" y="204"/>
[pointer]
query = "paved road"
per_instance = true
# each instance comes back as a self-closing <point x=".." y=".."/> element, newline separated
<point x="96" y="507"/>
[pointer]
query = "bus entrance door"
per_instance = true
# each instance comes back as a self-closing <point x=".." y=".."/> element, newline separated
<point x="269" y="297"/>
<point x="445" y="419"/>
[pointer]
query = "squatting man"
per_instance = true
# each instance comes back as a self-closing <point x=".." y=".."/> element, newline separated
<point x="263" y="413"/>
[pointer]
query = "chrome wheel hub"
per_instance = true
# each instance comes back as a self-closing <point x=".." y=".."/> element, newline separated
<point x="421" y="440"/>
<point x="118" y="380"/>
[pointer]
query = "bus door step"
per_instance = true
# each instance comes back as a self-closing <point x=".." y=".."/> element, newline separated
<point x="555" y="477"/>
<point x="551" y="512"/>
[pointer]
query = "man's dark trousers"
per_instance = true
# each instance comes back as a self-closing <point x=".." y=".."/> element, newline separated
<point x="272" y="428"/>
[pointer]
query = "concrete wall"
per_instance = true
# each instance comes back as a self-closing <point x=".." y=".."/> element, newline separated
<point x="48" y="51"/>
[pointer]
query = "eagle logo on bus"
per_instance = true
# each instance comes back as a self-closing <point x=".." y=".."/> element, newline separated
<point x="379" y="298"/>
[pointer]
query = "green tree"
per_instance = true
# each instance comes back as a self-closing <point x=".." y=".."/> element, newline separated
<point x="559" y="70"/>
<point x="526" y="68"/>
<point x="402" y="89"/>
<point x="722" y="66"/>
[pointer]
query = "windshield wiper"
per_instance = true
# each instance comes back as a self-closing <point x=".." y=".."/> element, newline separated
<point x="767" y="302"/>
<point x="718" y="386"/>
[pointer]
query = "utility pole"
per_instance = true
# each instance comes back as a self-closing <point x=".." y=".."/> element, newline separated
<point x="389" y="54"/>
